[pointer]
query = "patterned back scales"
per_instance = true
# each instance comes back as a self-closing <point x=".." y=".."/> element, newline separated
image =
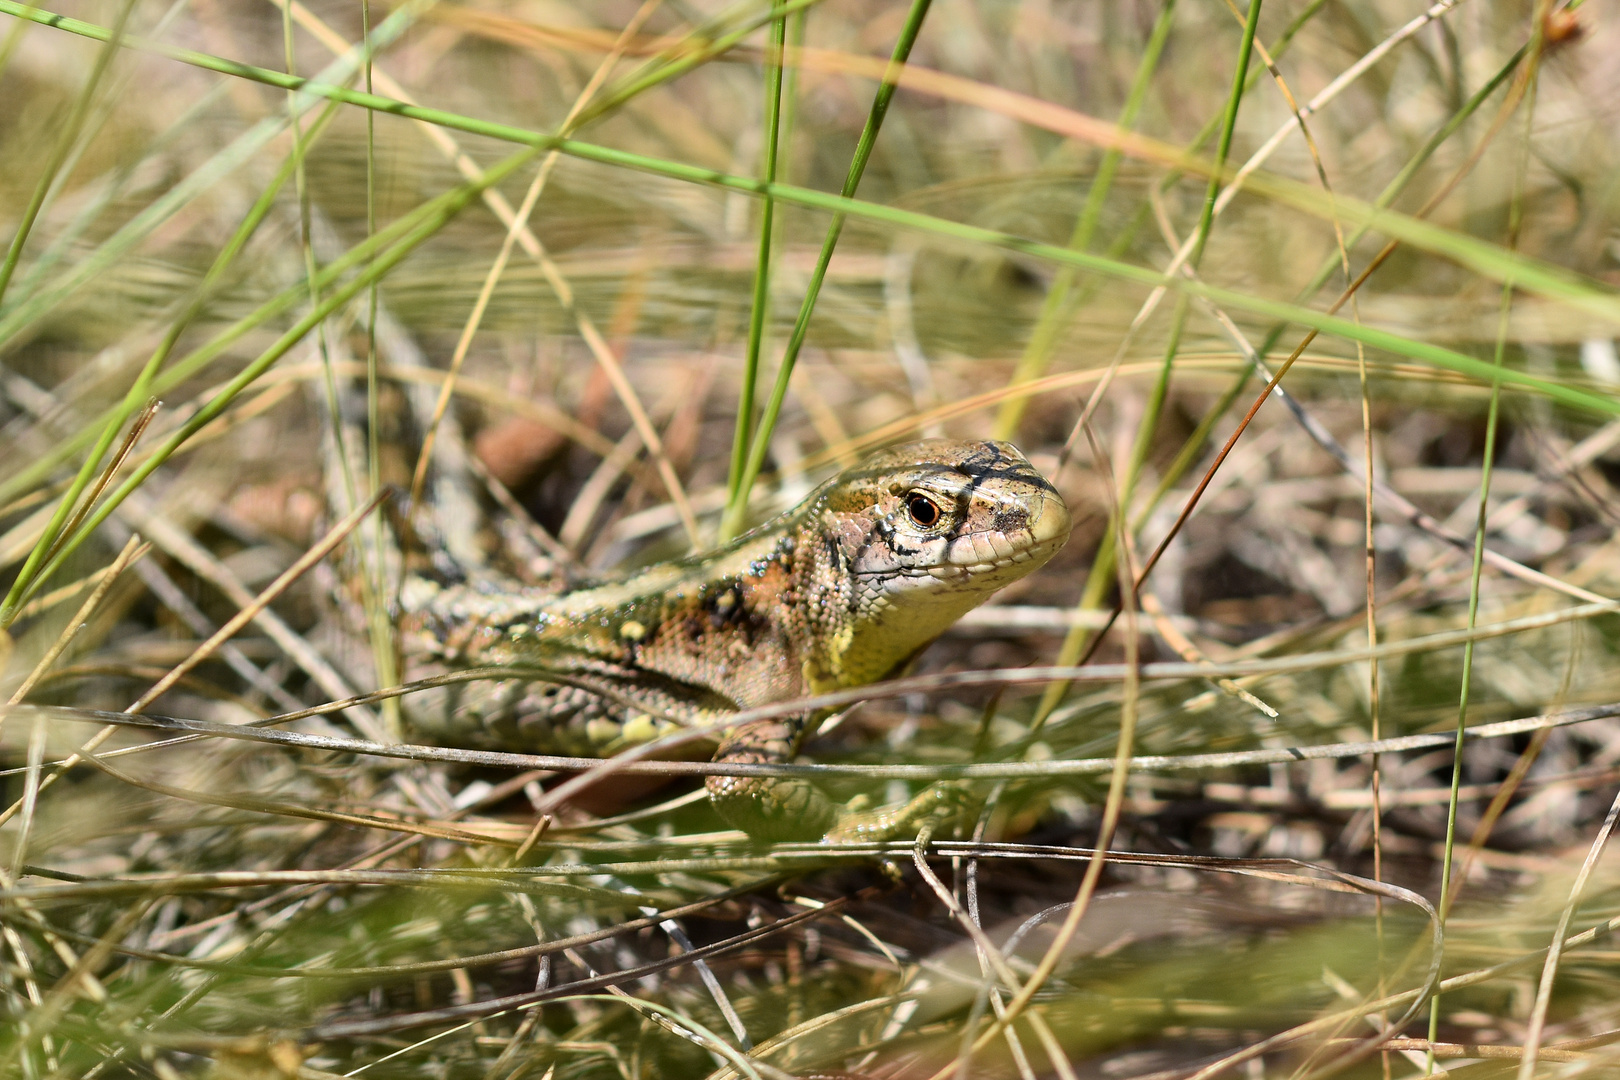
<point x="843" y="590"/>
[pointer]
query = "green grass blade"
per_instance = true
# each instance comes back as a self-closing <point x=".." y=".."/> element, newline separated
<point x="760" y="300"/>
<point x="65" y="138"/>
<point x="1490" y="260"/>
<point x="245" y="148"/>
<point x="737" y="508"/>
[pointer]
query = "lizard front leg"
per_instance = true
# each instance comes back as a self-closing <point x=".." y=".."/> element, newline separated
<point x="769" y="807"/>
<point x="787" y="808"/>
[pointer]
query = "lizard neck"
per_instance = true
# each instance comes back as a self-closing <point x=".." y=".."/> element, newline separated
<point x="858" y="632"/>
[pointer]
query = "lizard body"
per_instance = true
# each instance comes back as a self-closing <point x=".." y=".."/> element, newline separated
<point x="843" y="590"/>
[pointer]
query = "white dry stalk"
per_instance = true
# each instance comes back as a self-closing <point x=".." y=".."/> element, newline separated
<point x="133" y="549"/>
<point x="199" y="560"/>
<point x="990" y="959"/>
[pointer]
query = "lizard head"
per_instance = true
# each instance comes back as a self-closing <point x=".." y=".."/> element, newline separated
<point x="939" y="519"/>
<point x="920" y="534"/>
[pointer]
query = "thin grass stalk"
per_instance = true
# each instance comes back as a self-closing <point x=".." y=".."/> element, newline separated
<point x="1505" y="792"/>
<point x="385" y="648"/>
<point x="1370" y="548"/>
<point x="469" y="328"/>
<point x="136" y="430"/>
<point x="1529" y="274"/>
<point x="1495" y="372"/>
<point x="737" y="507"/>
<point x="180" y="545"/>
<point x="1058" y="307"/>
<point x="265" y="731"/>
<point x="1243" y="175"/>
<point x="283" y="581"/>
<point x="1487" y="259"/>
<point x="307" y="251"/>
<point x="237" y="153"/>
<point x="111" y="100"/>
<point x="65" y="138"/>
<point x="133" y="549"/>
<point x="1374" y="704"/>
<point x="192" y="364"/>
<point x="518" y="230"/>
<point x="511" y="222"/>
<point x="1206" y="217"/>
<point x="79" y="978"/>
<point x="1195" y="442"/>
<point x="662" y="71"/>
<point x="575" y="990"/>
<point x="41" y="604"/>
<point x="1536" y="1029"/>
<point x="427" y="967"/>
<point x="992" y="962"/>
<point x="759" y="312"/>
<point x="1515" y="218"/>
<point x="519" y="226"/>
<point x="146" y="384"/>
<point x="66" y="239"/>
<point x="797" y="23"/>
<point x="1127" y="236"/>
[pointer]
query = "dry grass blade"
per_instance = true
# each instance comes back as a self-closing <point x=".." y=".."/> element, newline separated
<point x="595" y="771"/>
<point x="334" y="536"/>
<point x="132" y="551"/>
<point x="578" y="987"/>
<point x="1549" y="971"/>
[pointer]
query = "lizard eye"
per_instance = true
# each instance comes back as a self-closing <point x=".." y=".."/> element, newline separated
<point x="925" y="512"/>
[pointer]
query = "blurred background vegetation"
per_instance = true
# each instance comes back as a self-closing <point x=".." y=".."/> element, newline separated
<point x="222" y="205"/>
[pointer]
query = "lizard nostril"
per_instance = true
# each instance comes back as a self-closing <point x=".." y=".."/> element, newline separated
<point x="1011" y="520"/>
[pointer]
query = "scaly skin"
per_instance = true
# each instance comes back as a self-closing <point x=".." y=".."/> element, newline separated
<point x="841" y="591"/>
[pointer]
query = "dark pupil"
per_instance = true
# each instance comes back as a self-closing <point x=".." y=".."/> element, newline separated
<point x="923" y="511"/>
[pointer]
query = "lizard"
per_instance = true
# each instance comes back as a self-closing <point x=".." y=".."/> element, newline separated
<point x="843" y="590"/>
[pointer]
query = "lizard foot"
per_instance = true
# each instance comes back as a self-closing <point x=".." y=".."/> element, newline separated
<point x="772" y="808"/>
<point x="944" y="804"/>
<point x="769" y="808"/>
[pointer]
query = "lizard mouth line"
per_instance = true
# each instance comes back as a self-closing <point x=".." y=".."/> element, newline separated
<point x="949" y="570"/>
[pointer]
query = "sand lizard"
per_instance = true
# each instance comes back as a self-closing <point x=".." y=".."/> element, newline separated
<point x="841" y="591"/>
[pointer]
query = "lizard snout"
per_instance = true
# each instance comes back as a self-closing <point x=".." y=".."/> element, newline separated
<point x="1049" y="523"/>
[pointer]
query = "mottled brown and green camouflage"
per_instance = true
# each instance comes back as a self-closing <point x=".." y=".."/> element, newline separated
<point x="841" y="591"/>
